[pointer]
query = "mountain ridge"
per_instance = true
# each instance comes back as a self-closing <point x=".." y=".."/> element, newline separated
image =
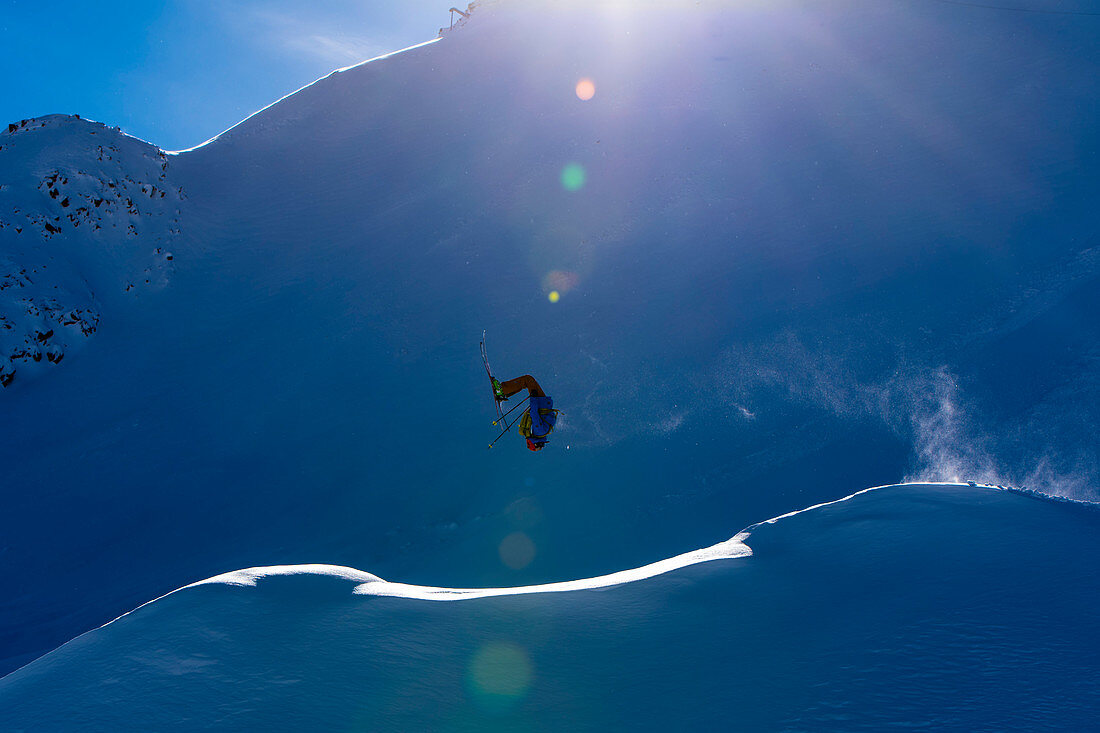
<point x="778" y="237"/>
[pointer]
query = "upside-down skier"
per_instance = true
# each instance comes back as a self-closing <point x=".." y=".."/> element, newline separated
<point x="539" y="417"/>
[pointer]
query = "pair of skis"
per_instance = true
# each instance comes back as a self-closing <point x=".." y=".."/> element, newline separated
<point x="502" y="417"/>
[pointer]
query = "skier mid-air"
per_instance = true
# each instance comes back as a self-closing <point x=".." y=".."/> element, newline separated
<point x="537" y="420"/>
<point x="539" y="417"/>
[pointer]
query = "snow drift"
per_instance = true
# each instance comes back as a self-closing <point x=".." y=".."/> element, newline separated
<point x="946" y="606"/>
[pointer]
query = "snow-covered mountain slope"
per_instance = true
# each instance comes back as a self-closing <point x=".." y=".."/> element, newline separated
<point x="949" y="607"/>
<point x="796" y="249"/>
<point x="86" y="215"/>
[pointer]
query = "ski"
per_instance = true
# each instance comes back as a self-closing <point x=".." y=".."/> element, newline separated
<point x="489" y="373"/>
<point x="502" y="417"/>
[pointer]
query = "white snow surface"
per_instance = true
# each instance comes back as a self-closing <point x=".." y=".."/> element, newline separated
<point x="88" y="222"/>
<point x="334" y="648"/>
<point x="370" y="585"/>
<point x="374" y="586"/>
<point x="798" y="248"/>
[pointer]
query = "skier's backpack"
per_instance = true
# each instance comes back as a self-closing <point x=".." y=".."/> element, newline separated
<point x="539" y="427"/>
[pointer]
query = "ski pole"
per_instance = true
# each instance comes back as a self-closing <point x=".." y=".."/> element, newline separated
<point x="505" y="415"/>
<point x="506" y="429"/>
<point x="500" y="436"/>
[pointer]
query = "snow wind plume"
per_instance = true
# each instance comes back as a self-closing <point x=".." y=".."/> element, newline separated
<point x="951" y="438"/>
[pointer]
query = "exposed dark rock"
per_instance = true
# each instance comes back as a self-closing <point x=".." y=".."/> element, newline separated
<point x="96" y="194"/>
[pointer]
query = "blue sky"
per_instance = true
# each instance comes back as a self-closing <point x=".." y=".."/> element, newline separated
<point x="177" y="72"/>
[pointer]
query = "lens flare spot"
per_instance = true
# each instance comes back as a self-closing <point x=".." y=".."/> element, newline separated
<point x="517" y="550"/>
<point x="500" y="674"/>
<point x="573" y="177"/>
<point x="585" y="89"/>
<point x="554" y="296"/>
<point x="560" y="280"/>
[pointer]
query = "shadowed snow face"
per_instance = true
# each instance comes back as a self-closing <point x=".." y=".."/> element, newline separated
<point x="916" y="588"/>
<point x="791" y="258"/>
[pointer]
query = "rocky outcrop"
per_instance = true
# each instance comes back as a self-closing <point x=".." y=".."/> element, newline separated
<point x="88" y="217"/>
